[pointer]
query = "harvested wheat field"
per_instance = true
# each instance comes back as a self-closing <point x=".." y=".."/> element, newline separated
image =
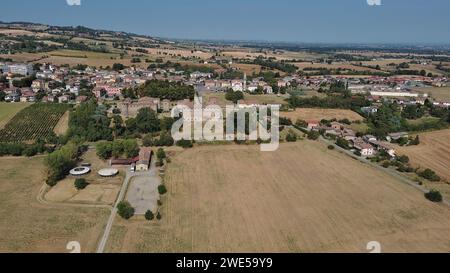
<point x="319" y="114"/>
<point x="63" y="124"/>
<point x="302" y="198"/>
<point x="433" y="152"/>
<point x="27" y="225"/>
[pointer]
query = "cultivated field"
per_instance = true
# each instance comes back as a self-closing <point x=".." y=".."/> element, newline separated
<point x="439" y="93"/>
<point x="9" y="110"/>
<point x="302" y="198"/>
<point x="32" y="123"/>
<point x="319" y="114"/>
<point x="63" y="124"/>
<point x="262" y="99"/>
<point x="346" y="66"/>
<point x="433" y="152"/>
<point x="29" y="226"/>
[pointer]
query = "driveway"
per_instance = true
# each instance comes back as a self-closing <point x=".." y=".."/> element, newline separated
<point x="143" y="192"/>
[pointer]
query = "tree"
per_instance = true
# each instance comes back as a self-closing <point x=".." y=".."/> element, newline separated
<point x="61" y="161"/>
<point x="430" y="175"/>
<point x="301" y="123"/>
<point x="185" y="144"/>
<point x="166" y="123"/>
<point x="343" y="143"/>
<point x="125" y="210"/>
<point x="162" y="189"/>
<point x="149" y="216"/>
<point x="130" y="148"/>
<point x="104" y="150"/>
<point x="81" y="184"/>
<point x="291" y="136"/>
<point x="234" y="96"/>
<point x="161" y="154"/>
<point x="434" y="196"/>
<point x="118" y="67"/>
<point x="313" y="135"/>
<point x="147" y="121"/>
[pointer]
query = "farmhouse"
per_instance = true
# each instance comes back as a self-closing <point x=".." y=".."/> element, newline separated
<point x="313" y="124"/>
<point x="145" y="156"/>
<point x="364" y="148"/>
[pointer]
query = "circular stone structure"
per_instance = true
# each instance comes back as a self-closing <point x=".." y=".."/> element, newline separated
<point x="108" y="172"/>
<point x="80" y="171"/>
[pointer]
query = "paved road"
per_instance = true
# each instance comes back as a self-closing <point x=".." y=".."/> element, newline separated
<point x="129" y="176"/>
<point x="123" y="190"/>
<point x="391" y="172"/>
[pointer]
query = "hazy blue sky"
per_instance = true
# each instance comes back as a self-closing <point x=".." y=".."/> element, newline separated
<point x="396" y="21"/>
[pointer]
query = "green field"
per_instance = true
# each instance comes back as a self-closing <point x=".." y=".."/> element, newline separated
<point x="9" y="110"/>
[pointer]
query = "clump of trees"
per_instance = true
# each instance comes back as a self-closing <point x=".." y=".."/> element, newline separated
<point x="434" y="196"/>
<point x="234" y="96"/>
<point x="166" y="90"/>
<point x="61" y="161"/>
<point x="343" y="143"/>
<point x="90" y="122"/>
<point x="291" y="136"/>
<point x="161" y="155"/>
<point x="313" y="135"/>
<point x="430" y="175"/>
<point x="128" y="148"/>
<point x="164" y="140"/>
<point x="125" y="210"/>
<point x="20" y="149"/>
<point x="185" y="143"/>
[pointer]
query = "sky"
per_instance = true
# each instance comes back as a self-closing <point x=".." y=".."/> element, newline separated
<point x="311" y="21"/>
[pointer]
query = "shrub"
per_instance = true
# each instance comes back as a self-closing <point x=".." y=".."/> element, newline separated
<point x="161" y="154"/>
<point x="343" y="143"/>
<point x="430" y="175"/>
<point x="313" y="135"/>
<point x="81" y="184"/>
<point x="125" y="210"/>
<point x="185" y="144"/>
<point x="415" y="141"/>
<point x="158" y="216"/>
<point x="386" y="164"/>
<point x="291" y="136"/>
<point x="162" y="189"/>
<point x="30" y="151"/>
<point x="147" y="141"/>
<point x="403" y="159"/>
<point x="331" y="147"/>
<point x="149" y="215"/>
<point x="434" y="196"/>
<point x="301" y="123"/>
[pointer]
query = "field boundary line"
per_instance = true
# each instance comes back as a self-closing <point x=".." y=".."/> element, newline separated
<point x="401" y="178"/>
